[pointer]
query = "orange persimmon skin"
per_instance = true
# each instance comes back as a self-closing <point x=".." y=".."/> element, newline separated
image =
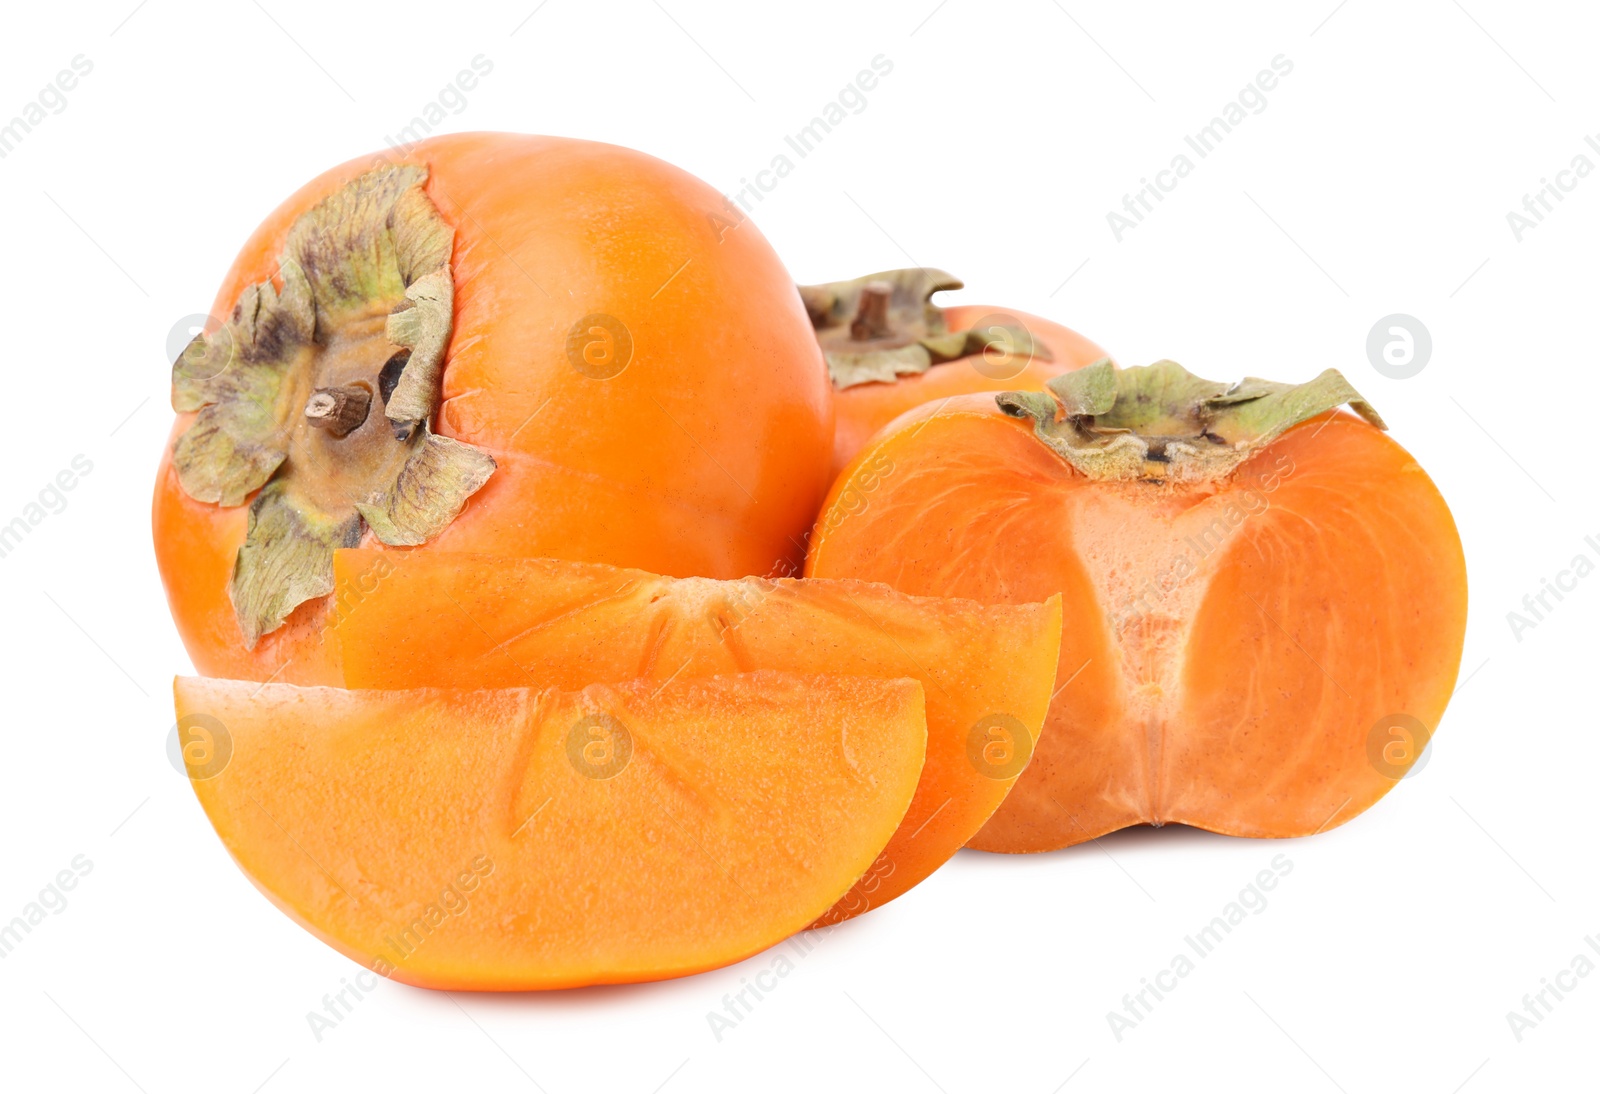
<point x="706" y="456"/>
<point x="864" y="409"/>
<point x="1228" y="651"/>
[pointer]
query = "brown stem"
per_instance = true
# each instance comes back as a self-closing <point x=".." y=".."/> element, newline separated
<point x="872" y="312"/>
<point x="338" y="409"/>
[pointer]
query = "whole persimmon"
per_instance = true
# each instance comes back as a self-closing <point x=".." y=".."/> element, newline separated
<point x="555" y="329"/>
<point x="1263" y="597"/>
<point x="890" y="348"/>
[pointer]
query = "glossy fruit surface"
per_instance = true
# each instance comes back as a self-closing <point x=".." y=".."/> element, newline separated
<point x="1263" y="599"/>
<point x="435" y="619"/>
<point x="513" y="840"/>
<point x="485" y="342"/>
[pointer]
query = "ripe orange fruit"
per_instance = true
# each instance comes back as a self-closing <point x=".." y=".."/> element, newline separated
<point x="1264" y="599"/>
<point x="430" y="619"/>
<point x="516" y="839"/>
<point x="889" y="348"/>
<point x="487" y="342"/>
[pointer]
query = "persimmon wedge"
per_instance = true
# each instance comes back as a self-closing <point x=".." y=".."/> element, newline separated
<point x="514" y="839"/>
<point x="432" y="619"/>
<point x="1264" y="597"/>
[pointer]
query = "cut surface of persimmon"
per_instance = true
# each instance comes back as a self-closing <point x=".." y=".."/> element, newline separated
<point x="512" y="839"/>
<point x="890" y="348"/>
<point x="484" y="342"/>
<point x="435" y="619"/>
<point x="1264" y="598"/>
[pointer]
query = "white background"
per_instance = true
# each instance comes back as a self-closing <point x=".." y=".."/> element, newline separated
<point x="1376" y="181"/>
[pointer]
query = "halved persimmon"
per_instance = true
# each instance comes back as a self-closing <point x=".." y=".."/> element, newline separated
<point x="1264" y="597"/>
<point x="890" y="348"/>
<point x="515" y="839"/>
<point x="558" y="330"/>
<point x="444" y="620"/>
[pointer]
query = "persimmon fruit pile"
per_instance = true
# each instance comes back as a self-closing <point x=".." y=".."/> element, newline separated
<point x="1253" y="584"/>
<point x="560" y="404"/>
<point x="483" y="517"/>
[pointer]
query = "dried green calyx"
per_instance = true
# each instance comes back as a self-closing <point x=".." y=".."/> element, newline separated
<point x="884" y="326"/>
<point x="318" y="393"/>
<point x="1159" y="423"/>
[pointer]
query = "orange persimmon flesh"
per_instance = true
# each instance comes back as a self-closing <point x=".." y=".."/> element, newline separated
<point x="452" y="839"/>
<point x="444" y="620"/>
<point x="1230" y="648"/>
